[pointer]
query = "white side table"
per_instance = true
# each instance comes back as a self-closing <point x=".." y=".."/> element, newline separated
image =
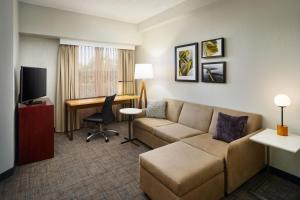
<point x="130" y="112"/>
<point x="269" y="138"/>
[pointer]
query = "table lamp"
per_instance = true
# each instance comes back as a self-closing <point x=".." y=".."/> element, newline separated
<point x="143" y="71"/>
<point x="282" y="101"/>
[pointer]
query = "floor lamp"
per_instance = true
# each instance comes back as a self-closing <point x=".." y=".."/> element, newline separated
<point x="142" y="72"/>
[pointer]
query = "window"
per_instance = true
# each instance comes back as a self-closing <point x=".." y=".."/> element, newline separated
<point x="98" y="71"/>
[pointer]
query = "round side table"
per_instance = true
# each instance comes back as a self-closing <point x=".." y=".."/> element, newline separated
<point x="131" y="112"/>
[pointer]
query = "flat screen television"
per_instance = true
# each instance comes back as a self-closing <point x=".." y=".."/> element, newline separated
<point x="33" y="83"/>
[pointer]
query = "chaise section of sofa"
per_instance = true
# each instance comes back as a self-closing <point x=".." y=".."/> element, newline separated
<point x="242" y="158"/>
<point x="180" y="172"/>
<point x="195" y="125"/>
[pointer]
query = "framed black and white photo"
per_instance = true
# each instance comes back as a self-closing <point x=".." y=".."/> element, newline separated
<point x="212" y="48"/>
<point x="186" y="62"/>
<point x="214" y="72"/>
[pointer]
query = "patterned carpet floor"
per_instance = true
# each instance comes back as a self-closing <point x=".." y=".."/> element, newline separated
<point x="108" y="171"/>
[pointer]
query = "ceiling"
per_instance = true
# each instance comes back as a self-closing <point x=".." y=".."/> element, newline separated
<point x="131" y="11"/>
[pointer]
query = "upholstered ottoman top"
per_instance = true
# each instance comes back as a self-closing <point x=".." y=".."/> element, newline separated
<point x="181" y="167"/>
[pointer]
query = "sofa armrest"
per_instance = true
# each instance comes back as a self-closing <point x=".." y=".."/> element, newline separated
<point x="244" y="159"/>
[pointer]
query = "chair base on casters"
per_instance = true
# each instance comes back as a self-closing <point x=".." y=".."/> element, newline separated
<point x="104" y="133"/>
<point x="102" y="118"/>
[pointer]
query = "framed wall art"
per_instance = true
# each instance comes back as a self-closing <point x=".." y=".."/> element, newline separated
<point x="212" y="48"/>
<point x="214" y="72"/>
<point x="186" y="62"/>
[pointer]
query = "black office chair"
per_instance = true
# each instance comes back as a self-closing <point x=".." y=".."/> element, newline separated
<point x="105" y="117"/>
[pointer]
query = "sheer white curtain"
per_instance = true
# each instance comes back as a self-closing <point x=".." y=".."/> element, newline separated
<point x="98" y="71"/>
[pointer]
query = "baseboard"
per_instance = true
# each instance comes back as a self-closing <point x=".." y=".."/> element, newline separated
<point x="285" y="175"/>
<point x="7" y="174"/>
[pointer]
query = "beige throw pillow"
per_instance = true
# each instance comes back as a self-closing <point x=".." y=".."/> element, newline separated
<point x="156" y="109"/>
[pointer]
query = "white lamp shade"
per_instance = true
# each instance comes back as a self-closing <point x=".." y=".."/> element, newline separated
<point x="143" y="71"/>
<point x="282" y="100"/>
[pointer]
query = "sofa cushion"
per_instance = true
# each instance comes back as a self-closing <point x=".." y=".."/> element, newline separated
<point x="173" y="109"/>
<point x="174" y="132"/>
<point x="156" y="109"/>
<point x="230" y="128"/>
<point x="181" y="167"/>
<point x="196" y="116"/>
<point x="206" y="143"/>
<point x="254" y="122"/>
<point x="148" y="123"/>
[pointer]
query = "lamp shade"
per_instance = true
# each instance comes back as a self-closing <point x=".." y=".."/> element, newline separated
<point x="143" y="71"/>
<point x="282" y="100"/>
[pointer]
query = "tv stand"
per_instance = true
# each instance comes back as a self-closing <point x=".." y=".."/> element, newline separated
<point x="35" y="139"/>
<point x="34" y="102"/>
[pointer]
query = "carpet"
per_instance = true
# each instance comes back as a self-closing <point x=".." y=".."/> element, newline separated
<point x="99" y="170"/>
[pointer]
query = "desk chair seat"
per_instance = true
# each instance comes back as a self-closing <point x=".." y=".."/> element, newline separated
<point x="100" y="119"/>
<point x="96" y="118"/>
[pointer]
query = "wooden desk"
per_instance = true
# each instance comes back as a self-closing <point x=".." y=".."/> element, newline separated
<point x="75" y="104"/>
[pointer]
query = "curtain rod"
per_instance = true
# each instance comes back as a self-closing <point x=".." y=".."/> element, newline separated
<point x="95" y="44"/>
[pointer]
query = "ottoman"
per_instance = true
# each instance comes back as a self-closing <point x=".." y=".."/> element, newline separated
<point x="181" y="172"/>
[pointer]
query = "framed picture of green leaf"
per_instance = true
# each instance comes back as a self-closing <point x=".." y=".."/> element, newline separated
<point x="186" y="62"/>
<point x="212" y="48"/>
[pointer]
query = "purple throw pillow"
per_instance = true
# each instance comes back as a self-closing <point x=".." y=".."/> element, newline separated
<point x="230" y="128"/>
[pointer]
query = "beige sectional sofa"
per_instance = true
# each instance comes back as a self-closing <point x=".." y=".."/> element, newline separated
<point x="190" y="164"/>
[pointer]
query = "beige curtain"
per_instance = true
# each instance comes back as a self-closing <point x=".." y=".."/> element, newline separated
<point x="126" y="76"/>
<point x="67" y="84"/>
<point x="126" y="71"/>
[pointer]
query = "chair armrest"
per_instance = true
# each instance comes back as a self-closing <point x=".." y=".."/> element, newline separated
<point x="243" y="160"/>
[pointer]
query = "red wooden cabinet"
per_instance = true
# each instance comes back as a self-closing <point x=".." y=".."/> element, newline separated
<point x="35" y="140"/>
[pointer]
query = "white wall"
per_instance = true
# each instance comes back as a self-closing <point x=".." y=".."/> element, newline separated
<point x="262" y="54"/>
<point x="63" y="24"/>
<point x="40" y="52"/>
<point x="8" y="58"/>
<point x="37" y="23"/>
